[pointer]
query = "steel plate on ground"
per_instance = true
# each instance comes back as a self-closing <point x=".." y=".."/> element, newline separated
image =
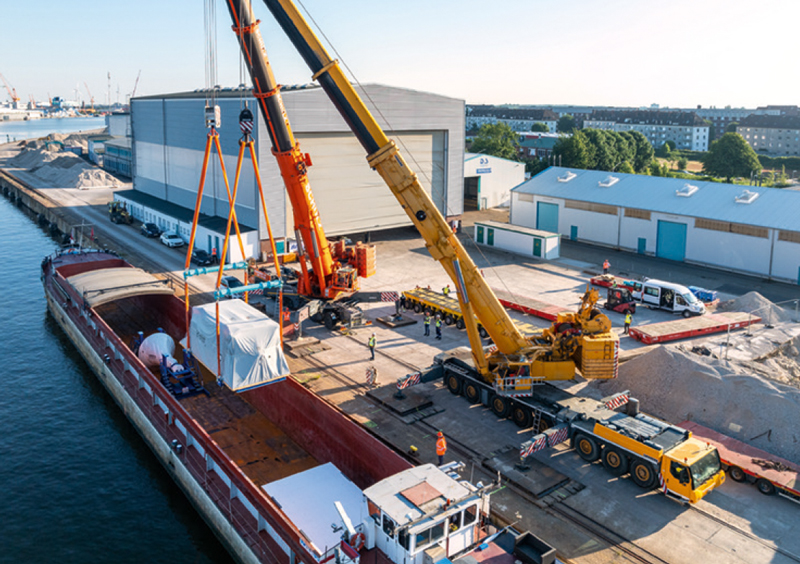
<point x="539" y="480"/>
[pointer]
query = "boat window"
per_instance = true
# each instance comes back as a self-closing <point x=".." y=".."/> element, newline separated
<point x="428" y="536"/>
<point x="454" y="522"/>
<point x="470" y="515"/>
<point x="374" y="512"/>
<point x="403" y="538"/>
<point x="388" y="526"/>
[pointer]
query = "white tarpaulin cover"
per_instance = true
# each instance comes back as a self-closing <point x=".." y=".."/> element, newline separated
<point x="250" y="343"/>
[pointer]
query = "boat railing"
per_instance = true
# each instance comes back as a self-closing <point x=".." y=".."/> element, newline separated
<point x="263" y="526"/>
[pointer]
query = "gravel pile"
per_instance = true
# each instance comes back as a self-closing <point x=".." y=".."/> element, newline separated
<point x="63" y="168"/>
<point x="759" y="306"/>
<point x="674" y="385"/>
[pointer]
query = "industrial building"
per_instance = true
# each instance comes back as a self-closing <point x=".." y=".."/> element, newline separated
<point x="169" y="137"/>
<point x="488" y="180"/>
<point x="746" y="229"/>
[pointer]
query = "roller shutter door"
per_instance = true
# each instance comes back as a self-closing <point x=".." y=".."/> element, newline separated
<point x="351" y="197"/>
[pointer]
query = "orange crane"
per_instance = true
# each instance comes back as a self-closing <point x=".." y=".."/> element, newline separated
<point x="90" y="96"/>
<point x="331" y="274"/>
<point x="12" y="92"/>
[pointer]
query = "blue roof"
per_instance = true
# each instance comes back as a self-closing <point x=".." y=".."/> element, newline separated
<point x="774" y="208"/>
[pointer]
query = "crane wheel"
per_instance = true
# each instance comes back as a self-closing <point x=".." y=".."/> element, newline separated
<point x="736" y="474"/>
<point x="330" y="320"/>
<point x="765" y="486"/>
<point x="615" y="461"/>
<point x="417" y="307"/>
<point x="587" y="447"/>
<point x="642" y="474"/>
<point x="522" y="416"/>
<point x="454" y="384"/>
<point x="448" y="319"/>
<point x="460" y="323"/>
<point x="501" y="406"/>
<point x="472" y="392"/>
<point x="482" y="332"/>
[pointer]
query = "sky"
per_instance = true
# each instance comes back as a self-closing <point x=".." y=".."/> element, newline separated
<point x="680" y="53"/>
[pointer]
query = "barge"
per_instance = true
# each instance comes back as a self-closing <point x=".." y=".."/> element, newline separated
<point x="279" y="475"/>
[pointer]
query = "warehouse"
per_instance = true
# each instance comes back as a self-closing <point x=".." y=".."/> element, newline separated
<point x="488" y="180"/>
<point x="746" y="229"/>
<point x="169" y="137"/>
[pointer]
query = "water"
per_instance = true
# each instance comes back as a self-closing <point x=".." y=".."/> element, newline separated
<point x="19" y="130"/>
<point x="77" y="483"/>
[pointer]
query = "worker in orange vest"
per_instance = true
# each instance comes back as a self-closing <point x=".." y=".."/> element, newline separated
<point x="606" y="266"/>
<point x="441" y="447"/>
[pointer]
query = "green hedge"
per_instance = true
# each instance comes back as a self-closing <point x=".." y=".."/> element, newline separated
<point x="791" y="163"/>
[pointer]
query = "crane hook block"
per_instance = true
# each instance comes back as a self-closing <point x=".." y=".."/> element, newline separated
<point x="246" y="121"/>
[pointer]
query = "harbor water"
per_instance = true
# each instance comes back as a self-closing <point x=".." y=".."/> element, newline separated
<point x="31" y="129"/>
<point x="77" y="484"/>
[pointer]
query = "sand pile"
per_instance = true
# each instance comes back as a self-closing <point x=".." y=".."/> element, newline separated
<point x="759" y="306"/>
<point x="781" y="365"/>
<point x="63" y="169"/>
<point x="675" y="386"/>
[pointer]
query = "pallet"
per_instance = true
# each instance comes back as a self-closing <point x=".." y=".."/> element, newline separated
<point x="692" y="327"/>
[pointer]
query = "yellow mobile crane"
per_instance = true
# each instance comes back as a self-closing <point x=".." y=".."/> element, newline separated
<point x="580" y="340"/>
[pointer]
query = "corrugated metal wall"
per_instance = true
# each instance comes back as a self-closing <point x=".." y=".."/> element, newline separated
<point x="169" y="138"/>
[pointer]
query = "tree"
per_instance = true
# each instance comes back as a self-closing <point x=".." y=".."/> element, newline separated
<point x="643" y="151"/>
<point x="626" y="168"/>
<point x="534" y="166"/>
<point x="731" y="156"/>
<point x="572" y="150"/>
<point x="496" y="139"/>
<point x="539" y="126"/>
<point x="731" y="128"/>
<point x="682" y="162"/>
<point x="712" y="129"/>
<point x="566" y="124"/>
<point x="601" y="150"/>
<point x="665" y="150"/>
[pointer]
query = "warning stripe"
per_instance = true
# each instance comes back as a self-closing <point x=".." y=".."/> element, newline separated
<point x="409" y="380"/>
<point x="618" y="400"/>
<point x="390" y="296"/>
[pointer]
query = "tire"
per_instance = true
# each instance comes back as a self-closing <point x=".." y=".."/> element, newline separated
<point x="500" y="406"/>
<point x="642" y="474"/>
<point x="615" y="461"/>
<point x="448" y="319"/>
<point x="330" y="319"/>
<point x="454" y="384"/>
<point x="472" y="392"/>
<point x="460" y="323"/>
<point x="587" y="447"/>
<point x="417" y="307"/>
<point x="521" y="415"/>
<point x="482" y="332"/>
<point x="765" y="486"/>
<point x="544" y="425"/>
<point x="606" y="306"/>
<point x="736" y="474"/>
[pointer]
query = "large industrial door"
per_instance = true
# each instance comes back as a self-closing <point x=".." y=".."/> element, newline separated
<point x="671" y="242"/>
<point x="547" y="217"/>
<point x="472" y="191"/>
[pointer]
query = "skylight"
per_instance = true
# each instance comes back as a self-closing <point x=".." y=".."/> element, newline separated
<point x="609" y="181"/>
<point x="687" y="190"/>
<point x="746" y="197"/>
<point x="567" y="176"/>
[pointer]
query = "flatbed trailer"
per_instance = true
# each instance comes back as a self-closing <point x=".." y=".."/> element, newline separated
<point x="608" y="281"/>
<point x="528" y="305"/>
<point x="423" y="300"/>
<point x="771" y="474"/>
<point x="685" y="328"/>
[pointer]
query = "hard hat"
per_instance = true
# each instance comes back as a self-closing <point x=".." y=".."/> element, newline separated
<point x="441" y="434"/>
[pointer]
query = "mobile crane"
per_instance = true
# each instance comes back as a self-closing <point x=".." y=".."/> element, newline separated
<point x="510" y="369"/>
<point x="335" y="269"/>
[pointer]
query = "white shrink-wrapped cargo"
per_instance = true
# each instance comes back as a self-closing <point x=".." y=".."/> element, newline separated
<point x="156" y="346"/>
<point x="250" y="343"/>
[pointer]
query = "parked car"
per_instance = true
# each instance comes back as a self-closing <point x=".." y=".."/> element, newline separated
<point x="202" y="258"/>
<point x="150" y="230"/>
<point x="172" y="240"/>
<point x="232" y="282"/>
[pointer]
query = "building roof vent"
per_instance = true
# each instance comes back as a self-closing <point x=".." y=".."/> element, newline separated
<point x="608" y="182"/>
<point x="567" y="176"/>
<point x="687" y="190"/>
<point x="746" y="197"/>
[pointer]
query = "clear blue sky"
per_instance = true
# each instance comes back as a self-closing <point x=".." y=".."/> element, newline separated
<point x="611" y="52"/>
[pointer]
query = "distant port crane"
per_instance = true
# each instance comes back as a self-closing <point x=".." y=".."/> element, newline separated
<point x="12" y="92"/>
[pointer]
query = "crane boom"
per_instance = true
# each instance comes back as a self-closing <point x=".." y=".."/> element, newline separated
<point x="12" y="92"/>
<point x="328" y="280"/>
<point x="580" y="339"/>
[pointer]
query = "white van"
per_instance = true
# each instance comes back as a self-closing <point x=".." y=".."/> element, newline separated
<point x="672" y="297"/>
